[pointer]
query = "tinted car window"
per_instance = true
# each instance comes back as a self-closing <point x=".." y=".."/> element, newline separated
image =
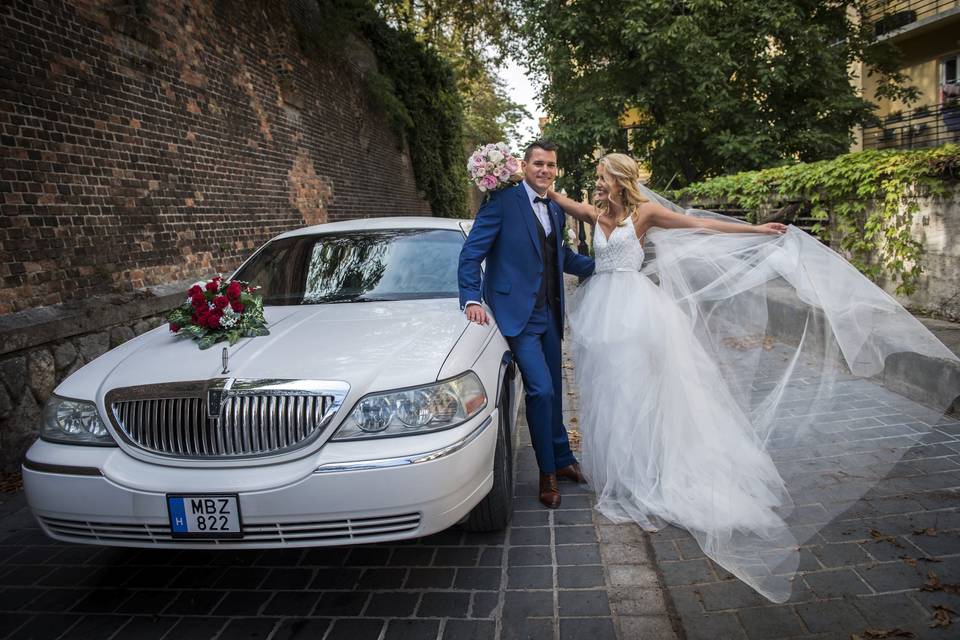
<point x="357" y="266"/>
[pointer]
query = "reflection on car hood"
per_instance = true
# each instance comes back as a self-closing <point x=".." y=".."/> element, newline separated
<point x="372" y="346"/>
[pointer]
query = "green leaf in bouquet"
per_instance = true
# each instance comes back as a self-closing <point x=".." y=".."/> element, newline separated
<point x="254" y="331"/>
<point x="208" y="341"/>
<point x="233" y="336"/>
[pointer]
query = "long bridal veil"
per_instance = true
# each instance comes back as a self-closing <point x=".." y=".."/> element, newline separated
<point x="826" y="367"/>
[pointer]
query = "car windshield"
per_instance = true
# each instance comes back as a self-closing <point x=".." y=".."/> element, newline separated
<point x="356" y="266"/>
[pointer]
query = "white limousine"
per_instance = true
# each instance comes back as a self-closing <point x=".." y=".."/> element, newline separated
<point x="372" y="412"/>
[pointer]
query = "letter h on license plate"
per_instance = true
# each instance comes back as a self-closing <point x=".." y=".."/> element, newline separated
<point x="204" y="516"/>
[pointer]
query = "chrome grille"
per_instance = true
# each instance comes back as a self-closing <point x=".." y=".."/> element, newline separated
<point x="225" y="418"/>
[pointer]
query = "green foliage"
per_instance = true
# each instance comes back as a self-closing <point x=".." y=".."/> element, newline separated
<point x="426" y="87"/>
<point x="723" y="86"/>
<point x="868" y="198"/>
<point x="414" y="87"/>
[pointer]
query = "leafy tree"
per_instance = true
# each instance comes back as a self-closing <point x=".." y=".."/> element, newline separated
<point x="473" y="37"/>
<point x="721" y="86"/>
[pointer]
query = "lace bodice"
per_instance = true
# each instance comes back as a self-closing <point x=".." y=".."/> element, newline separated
<point x="622" y="252"/>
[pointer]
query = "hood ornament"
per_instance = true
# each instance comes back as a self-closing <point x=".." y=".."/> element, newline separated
<point x="225" y="357"/>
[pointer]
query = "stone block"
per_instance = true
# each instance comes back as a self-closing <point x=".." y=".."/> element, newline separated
<point x="41" y="373"/>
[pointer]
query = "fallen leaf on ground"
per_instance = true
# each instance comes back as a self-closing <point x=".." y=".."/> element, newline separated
<point x="941" y="616"/>
<point x="879" y="634"/>
<point x="881" y="537"/>
<point x="933" y="584"/>
<point x="929" y="531"/>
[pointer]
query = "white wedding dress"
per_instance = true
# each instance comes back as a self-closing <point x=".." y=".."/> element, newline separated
<point x="691" y="415"/>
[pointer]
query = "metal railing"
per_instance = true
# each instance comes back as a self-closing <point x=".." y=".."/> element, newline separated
<point x="915" y="129"/>
<point x="888" y="16"/>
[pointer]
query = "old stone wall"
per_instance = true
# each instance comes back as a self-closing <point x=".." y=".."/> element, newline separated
<point x="149" y="143"/>
<point x="146" y="142"/>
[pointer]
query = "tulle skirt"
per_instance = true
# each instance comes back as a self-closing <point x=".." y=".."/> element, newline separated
<point x="723" y="398"/>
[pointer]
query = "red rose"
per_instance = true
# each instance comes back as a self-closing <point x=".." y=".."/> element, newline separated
<point x="174" y="327"/>
<point x="221" y="302"/>
<point x="234" y="290"/>
<point x="199" y="302"/>
<point x="237" y="306"/>
<point x="212" y="286"/>
<point x="213" y="319"/>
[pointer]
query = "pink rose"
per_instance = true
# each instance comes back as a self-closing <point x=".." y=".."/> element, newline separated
<point x="512" y="165"/>
<point x="489" y="182"/>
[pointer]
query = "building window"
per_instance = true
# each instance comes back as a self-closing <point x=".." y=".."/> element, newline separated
<point x="949" y="69"/>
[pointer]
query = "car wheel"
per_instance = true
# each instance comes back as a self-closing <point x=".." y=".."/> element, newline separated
<point x="494" y="511"/>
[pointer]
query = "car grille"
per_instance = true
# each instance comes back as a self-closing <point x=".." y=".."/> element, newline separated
<point x="225" y="418"/>
<point x="324" y="532"/>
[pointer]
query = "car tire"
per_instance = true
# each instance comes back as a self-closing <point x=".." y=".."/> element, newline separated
<point x="493" y="513"/>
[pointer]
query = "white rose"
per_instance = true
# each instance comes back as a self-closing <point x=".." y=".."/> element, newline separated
<point x="495" y="156"/>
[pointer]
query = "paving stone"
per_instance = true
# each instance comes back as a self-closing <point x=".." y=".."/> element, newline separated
<point x="412" y="630"/>
<point x="594" y="628"/>
<point x="472" y="579"/>
<point x="888" y="610"/>
<point x="574" y="517"/>
<point x="491" y="557"/>
<point x="635" y="575"/>
<point x="374" y="579"/>
<point x="197" y="603"/>
<point x="530" y="578"/>
<point x="527" y="604"/>
<point x="575" y="535"/>
<point x="286" y="603"/>
<point x="583" y="603"/>
<point x="444" y="605"/>
<point x="146" y="628"/>
<point x="530" y="536"/>
<point x="147" y="602"/>
<point x="347" y="629"/>
<point x="412" y="557"/>
<point x="539" y="518"/>
<point x="831" y="615"/>
<point x="484" y="604"/>
<point x="287" y="579"/>
<point x="526" y="556"/>
<point x="527" y="629"/>
<point x="770" y="622"/>
<point x="712" y="626"/>
<point x="576" y="554"/>
<point x="890" y="576"/>
<point x="841" y="554"/>
<point x="457" y="557"/>
<point x="301" y="629"/>
<point x="341" y="603"/>
<point x="580" y="576"/>
<point x="836" y="583"/>
<point x="732" y="594"/>
<point x="658" y="627"/>
<point x="687" y="572"/>
<point x="468" y="630"/>
<point x="242" y="603"/>
<point x="45" y="627"/>
<point x="248" y="629"/>
<point x="429" y="579"/>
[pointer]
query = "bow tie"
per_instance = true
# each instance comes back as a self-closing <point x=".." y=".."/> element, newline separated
<point x="543" y="200"/>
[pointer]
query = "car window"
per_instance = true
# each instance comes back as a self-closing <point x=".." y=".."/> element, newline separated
<point x="356" y="266"/>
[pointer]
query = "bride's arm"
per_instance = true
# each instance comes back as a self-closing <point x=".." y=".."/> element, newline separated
<point x="655" y="215"/>
<point x="579" y="210"/>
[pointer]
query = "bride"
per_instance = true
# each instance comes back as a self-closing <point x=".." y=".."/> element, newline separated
<point x="691" y="412"/>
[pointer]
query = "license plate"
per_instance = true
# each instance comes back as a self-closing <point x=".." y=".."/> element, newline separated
<point x="204" y="516"/>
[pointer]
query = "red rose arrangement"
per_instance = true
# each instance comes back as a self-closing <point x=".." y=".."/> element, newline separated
<point x="219" y="310"/>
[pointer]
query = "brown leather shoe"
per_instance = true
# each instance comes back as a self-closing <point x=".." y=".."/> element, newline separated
<point x="571" y="472"/>
<point x="549" y="491"/>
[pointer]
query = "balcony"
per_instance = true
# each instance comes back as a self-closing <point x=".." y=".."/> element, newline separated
<point x="893" y="18"/>
<point x="917" y="128"/>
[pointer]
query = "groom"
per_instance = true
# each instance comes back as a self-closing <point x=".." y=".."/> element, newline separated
<point x="518" y="232"/>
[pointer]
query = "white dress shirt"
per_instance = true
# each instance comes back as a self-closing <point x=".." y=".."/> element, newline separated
<point x="539" y="208"/>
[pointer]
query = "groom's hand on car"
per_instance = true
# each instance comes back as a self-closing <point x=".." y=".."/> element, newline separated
<point x="476" y="313"/>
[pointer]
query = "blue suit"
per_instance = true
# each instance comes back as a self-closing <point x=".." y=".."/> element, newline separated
<point x="505" y="235"/>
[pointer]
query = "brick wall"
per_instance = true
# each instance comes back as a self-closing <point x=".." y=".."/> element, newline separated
<point x="150" y="142"/>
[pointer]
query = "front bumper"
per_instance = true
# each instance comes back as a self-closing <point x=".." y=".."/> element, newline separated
<point x="325" y="499"/>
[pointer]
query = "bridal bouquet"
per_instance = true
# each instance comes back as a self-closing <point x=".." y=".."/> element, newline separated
<point x="492" y="167"/>
<point x="218" y="310"/>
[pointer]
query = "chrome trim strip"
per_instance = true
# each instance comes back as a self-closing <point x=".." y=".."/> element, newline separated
<point x="417" y="458"/>
<point x="62" y="469"/>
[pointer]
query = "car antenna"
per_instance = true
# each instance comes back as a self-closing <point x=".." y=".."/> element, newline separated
<point x="225" y="356"/>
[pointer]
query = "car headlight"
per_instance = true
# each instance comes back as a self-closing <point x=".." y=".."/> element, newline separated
<point x="73" y="422"/>
<point x="432" y="407"/>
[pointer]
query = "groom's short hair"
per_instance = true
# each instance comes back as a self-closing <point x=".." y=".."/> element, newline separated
<point x="542" y="143"/>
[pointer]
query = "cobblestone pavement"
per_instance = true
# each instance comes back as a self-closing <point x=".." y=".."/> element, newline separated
<point x="554" y="574"/>
<point x="889" y="564"/>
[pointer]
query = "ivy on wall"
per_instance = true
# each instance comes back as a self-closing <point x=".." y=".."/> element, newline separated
<point x="413" y="86"/>
<point x="869" y="199"/>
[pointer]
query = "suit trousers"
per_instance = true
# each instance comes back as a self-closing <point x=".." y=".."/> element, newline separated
<point x="537" y="353"/>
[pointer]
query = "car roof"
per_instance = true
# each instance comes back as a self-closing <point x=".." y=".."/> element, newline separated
<point x="372" y="224"/>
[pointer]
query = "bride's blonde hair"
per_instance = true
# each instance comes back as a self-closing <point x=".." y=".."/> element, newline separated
<point x="625" y="173"/>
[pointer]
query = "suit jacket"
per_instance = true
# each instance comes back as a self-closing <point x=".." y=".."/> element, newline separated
<point x="505" y="235"/>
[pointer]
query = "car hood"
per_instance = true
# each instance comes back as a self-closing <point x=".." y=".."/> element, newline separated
<point x="372" y="346"/>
